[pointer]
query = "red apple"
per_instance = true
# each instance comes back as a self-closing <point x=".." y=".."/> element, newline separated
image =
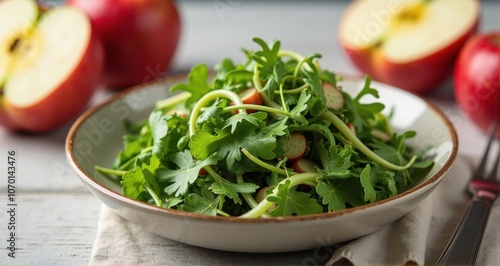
<point x="408" y="44"/>
<point x="50" y="65"/>
<point x="140" y="37"/>
<point x="477" y="79"/>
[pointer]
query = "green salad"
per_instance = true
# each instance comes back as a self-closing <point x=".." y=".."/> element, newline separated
<point x="273" y="136"/>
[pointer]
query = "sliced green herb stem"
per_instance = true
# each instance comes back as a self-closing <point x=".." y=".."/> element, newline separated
<point x="153" y="195"/>
<point x="342" y="127"/>
<point x="264" y="164"/>
<point x="222" y="213"/>
<point x="268" y="109"/>
<point x="295" y="180"/>
<point x="109" y="171"/>
<point x="172" y="101"/>
<point x="248" y="198"/>
<point x="132" y="160"/>
<point x="206" y="99"/>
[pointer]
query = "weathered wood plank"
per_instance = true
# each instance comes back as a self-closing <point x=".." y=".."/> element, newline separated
<point x="50" y="228"/>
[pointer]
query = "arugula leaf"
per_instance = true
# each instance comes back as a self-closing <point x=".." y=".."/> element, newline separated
<point x="301" y="104"/>
<point x="132" y="146"/>
<point x="171" y="202"/>
<point x="388" y="152"/>
<point x="269" y="65"/>
<point x="367" y="181"/>
<point x="291" y="202"/>
<point x="222" y="186"/>
<point x="254" y="119"/>
<point x="211" y="118"/>
<point x="312" y="77"/>
<point x="337" y="193"/>
<point x="142" y="179"/>
<point x="329" y="77"/>
<point x="387" y="179"/>
<point x="278" y="128"/>
<point x="187" y="172"/>
<point x="228" y="145"/>
<point x="205" y="203"/>
<point x="267" y="58"/>
<point x="336" y="161"/>
<point x="223" y="68"/>
<point x="197" y="86"/>
<point x="159" y="129"/>
<point x="134" y="127"/>
<point x="399" y="141"/>
<point x="365" y="111"/>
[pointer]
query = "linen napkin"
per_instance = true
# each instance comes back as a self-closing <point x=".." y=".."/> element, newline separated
<point x="416" y="239"/>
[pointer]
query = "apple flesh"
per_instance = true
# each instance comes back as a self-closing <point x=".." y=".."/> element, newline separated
<point x="50" y="65"/>
<point x="477" y="79"/>
<point x="140" y="37"/>
<point x="409" y="44"/>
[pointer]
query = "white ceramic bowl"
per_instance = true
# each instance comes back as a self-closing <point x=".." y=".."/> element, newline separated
<point x="96" y="137"/>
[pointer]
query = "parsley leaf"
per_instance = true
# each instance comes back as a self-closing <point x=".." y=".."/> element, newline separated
<point x="267" y="58"/>
<point x="197" y="86"/>
<point x="142" y="179"/>
<point x="336" y="161"/>
<point x="301" y="104"/>
<point x="337" y="193"/>
<point x="228" y="145"/>
<point x="253" y="119"/>
<point x="312" y="77"/>
<point x="159" y="129"/>
<point x="205" y="203"/>
<point x="291" y="202"/>
<point x="222" y="186"/>
<point x="187" y="172"/>
<point x="367" y="181"/>
<point x="363" y="111"/>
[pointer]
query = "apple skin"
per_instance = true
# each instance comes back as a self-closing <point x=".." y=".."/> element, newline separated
<point x="476" y="79"/>
<point x="65" y="102"/>
<point x="5" y="120"/>
<point x="140" y="37"/>
<point x="419" y="76"/>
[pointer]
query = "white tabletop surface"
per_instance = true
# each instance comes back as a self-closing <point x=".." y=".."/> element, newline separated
<point x="57" y="218"/>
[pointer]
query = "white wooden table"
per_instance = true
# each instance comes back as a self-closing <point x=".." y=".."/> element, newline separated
<point x="56" y="217"/>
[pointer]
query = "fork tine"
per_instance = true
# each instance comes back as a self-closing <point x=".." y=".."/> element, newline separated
<point x="482" y="165"/>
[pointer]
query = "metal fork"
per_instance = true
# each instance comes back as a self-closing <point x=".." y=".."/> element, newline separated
<point x="464" y="245"/>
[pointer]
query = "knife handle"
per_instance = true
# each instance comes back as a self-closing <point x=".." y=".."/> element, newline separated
<point x="464" y="244"/>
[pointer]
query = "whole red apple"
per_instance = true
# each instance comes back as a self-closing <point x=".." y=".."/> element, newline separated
<point x="408" y="44"/>
<point x="50" y="65"/>
<point x="477" y="79"/>
<point x="140" y="37"/>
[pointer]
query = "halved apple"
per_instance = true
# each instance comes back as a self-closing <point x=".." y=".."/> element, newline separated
<point x="151" y="29"/>
<point x="411" y="44"/>
<point x="50" y="65"/>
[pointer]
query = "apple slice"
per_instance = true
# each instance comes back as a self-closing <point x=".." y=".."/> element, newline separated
<point x="407" y="43"/>
<point x="50" y="65"/>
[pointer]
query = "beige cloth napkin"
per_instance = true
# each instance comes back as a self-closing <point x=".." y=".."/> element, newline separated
<point x="416" y="239"/>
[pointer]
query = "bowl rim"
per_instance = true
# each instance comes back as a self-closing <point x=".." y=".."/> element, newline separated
<point x="88" y="178"/>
